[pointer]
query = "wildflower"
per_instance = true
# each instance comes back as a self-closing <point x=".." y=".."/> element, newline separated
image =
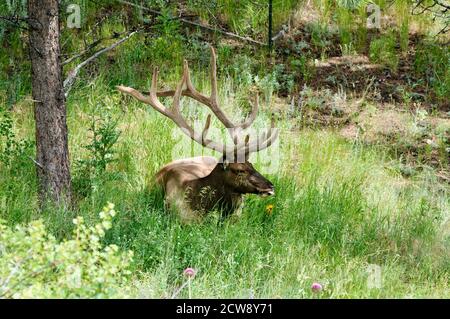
<point x="269" y="209"/>
<point x="316" y="287"/>
<point x="189" y="272"/>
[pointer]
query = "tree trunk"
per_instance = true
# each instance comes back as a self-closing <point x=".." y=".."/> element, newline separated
<point x="52" y="152"/>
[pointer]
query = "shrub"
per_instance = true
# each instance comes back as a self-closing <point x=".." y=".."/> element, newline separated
<point x="382" y="50"/>
<point x="101" y="153"/>
<point x="105" y="136"/>
<point x="303" y="68"/>
<point x="321" y="37"/>
<point x="34" y="265"/>
<point x="12" y="149"/>
<point x="432" y="63"/>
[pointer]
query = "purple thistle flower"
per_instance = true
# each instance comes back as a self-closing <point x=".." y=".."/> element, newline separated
<point x="316" y="287"/>
<point x="189" y="272"/>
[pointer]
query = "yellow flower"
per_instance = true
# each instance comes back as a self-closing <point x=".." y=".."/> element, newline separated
<point x="269" y="209"/>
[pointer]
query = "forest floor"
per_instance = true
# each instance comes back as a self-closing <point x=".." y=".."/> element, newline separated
<point x="370" y="103"/>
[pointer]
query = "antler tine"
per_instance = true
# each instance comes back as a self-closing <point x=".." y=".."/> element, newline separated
<point x="154" y="85"/>
<point x="152" y="99"/>
<point x="189" y="85"/>
<point x="235" y="142"/>
<point x="174" y="112"/>
<point x="181" y="122"/>
<point x="265" y="140"/>
<point x="214" y="98"/>
<point x="235" y="151"/>
<point x="253" y="114"/>
<point x="213" y="77"/>
<point x="247" y="140"/>
<point x="211" y="102"/>
<point x="206" y="128"/>
<point x="176" y="97"/>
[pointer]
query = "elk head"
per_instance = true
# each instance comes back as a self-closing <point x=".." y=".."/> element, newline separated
<point x="233" y="170"/>
<point x="243" y="178"/>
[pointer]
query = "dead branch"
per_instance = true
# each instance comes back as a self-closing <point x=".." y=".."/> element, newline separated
<point x="76" y="56"/>
<point x="68" y="82"/>
<point x="89" y="48"/>
<point x="280" y="34"/>
<point x="435" y="7"/>
<point x="210" y="29"/>
<point x="36" y="162"/>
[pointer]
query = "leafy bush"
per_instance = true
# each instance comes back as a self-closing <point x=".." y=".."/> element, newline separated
<point x="268" y="84"/>
<point x="284" y="78"/>
<point x="241" y="70"/>
<point x="101" y="153"/>
<point x="34" y="265"/>
<point x="301" y="67"/>
<point x="105" y="136"/>
<point x="12" y="149"/>
<point x="432" y="63"/>
<point x="321" y="37"/>
<point x="382" y="50"/>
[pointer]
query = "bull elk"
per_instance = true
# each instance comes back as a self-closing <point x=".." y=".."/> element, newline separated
<point x="195" y="186"/>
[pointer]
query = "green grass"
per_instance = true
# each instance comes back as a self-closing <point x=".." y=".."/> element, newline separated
<point x="383" y="51"/>
<point x="339" y="207"/>
<point x="337" y="210"/>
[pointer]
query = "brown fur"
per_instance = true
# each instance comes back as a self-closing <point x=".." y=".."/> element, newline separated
<point x="196" y="186"/>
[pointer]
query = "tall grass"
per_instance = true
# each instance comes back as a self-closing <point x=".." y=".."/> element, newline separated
<point x="337" y="209"/>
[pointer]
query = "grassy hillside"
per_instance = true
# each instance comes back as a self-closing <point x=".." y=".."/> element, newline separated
<point x="361" y="168"/>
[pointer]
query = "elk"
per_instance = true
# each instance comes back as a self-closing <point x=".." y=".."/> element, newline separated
<point x="198" y="185"/>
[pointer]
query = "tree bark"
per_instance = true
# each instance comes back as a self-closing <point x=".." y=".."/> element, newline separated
<point x="52" y="152"/>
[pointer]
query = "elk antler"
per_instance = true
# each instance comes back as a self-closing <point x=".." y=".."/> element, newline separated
<point x="262" y="142"/>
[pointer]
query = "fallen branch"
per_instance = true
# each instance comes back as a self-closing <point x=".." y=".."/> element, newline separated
<point x="68" y="82"/>
<point x="92" y="46"/>
<point x="228" y="34"/>
<point x="36" y="163"/>
<point x="280" y="34"/>
<point x="76" y="56"/>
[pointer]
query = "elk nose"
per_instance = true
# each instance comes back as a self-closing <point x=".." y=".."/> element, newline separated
<point x="268" y="192"/>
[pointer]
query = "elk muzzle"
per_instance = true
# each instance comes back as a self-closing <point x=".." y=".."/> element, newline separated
<point x="262" y="185"/>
